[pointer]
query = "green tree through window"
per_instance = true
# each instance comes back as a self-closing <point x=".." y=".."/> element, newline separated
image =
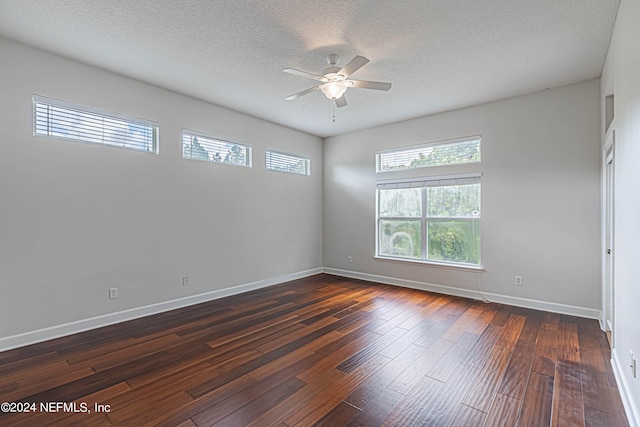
<point x="194" y="150"/>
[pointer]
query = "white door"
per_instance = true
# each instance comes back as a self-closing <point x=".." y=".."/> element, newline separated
<point x="609" y="256"/>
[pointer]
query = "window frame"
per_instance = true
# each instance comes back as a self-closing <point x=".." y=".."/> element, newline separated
<point x="277" y="152"/>
<point x="97" y="113"/>
<point x="192" y="133"/>
<point x="424" y="183"/>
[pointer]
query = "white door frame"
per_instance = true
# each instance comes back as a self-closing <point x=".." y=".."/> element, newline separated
<point x="608" y="241"/>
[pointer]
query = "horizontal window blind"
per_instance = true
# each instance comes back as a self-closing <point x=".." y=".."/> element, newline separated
<point x="430" y="181"/>
<point x="60" y="119"/>
<point x="452" y="152"/>
<point x="199" y="146"/>
<point x="289" y="163"/>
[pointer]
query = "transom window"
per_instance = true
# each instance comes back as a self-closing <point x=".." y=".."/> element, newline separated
<point x="60" y="119"/>
<point x="430" y="219"/>
<point x="285" y="162"/>
<point x="451" y="152"/>
<point x="198" y="146"/>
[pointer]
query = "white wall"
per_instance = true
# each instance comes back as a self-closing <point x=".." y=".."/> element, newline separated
<point x="621" y="77"/>
<point x="77" y="219"/>
<point x="540" y="198"/>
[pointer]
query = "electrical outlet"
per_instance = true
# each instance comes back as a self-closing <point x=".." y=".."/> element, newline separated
<point x="113" y="293"/>
<point x="350" y="259"/>
<point x="519" y="281"/>
<point x="287" y="261"/>
<point x="185" y="280"/>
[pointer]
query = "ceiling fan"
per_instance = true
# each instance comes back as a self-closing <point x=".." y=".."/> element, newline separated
<point x="335" y="81"/>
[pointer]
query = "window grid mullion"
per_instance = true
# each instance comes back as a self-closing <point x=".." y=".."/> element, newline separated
<point x="425" y="242"/>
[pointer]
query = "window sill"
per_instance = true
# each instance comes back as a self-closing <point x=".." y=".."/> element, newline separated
<point x="463" y="267"/>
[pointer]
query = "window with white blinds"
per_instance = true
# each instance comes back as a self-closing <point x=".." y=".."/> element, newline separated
<point x="289" y="163"/>
<point x="60" y="119"/>
<point x="199" y="146"/>
<point x="451" y="152"/>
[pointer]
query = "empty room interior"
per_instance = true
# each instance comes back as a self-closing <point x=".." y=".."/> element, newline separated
<point x="298" y="213"/>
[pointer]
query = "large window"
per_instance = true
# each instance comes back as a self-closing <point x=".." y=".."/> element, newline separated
<point x="285" y="162"/>
<point x="451" y="152"/>
<point x="55" y="118"/>
<point x="198" y="146"/>
<point x="430" y="219"/>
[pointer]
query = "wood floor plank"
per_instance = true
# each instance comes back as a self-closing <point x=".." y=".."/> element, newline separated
<point x="29" y="362"/>
<point x="333" y="359"/>
<point x="568" y="348"/>
<point x="370" y="350"/>
<point x="479" y="353"/>
<point x="131" y="352"/>
<point x="589" y="333"/>
<point x="258" y="403"/>
<point x="27" y="386"/>
<point x="466" y="416"/>
<point x="457" y="353"/>
<point x="441" y="409"/>
<point x="503" y="314"/>
<point x="504" y="410"/>
<point x="323" y="403"/>
<point x="430" y="306"/>
<point x="483" y="390"/>
<point x="293" y="357"/>
<point x="594" y="380"/>
<point x="327" y="351"/>
<point x="169" y="418"/>
<point x="620" y="418"/>
<point x="551" y="321"/>
<point x="297" y="402"/>
<point x="376" y="408"/>
<point x="408" y="411"/>
<point x="516" y="375"/>
<point x="537" y="403"/>
<point x="546" y="352"/>
<point x="338" y="416"/>
<point x="413" y="373"/>
<point x="470" y="321"/>
<point x="568" y="403"/>
<point x="370" y="389"/>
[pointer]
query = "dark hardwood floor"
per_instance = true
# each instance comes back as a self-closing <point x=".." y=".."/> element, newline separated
<point x="322" y="351"/>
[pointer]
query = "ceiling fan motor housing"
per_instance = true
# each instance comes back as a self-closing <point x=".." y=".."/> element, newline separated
<point x="331" y="70"/>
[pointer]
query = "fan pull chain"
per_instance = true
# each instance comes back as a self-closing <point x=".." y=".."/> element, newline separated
<point x="334" y="114"/>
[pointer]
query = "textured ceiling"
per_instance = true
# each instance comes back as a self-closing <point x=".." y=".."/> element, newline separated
<point x="439" y="54"/>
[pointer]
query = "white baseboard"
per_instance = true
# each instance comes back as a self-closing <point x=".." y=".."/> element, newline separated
<point x="572" y="310"/>
<point x="32" y="337"/>
<point x="633" y="415"/>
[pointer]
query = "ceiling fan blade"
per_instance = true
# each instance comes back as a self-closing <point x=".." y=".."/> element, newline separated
<point x="354" y="65"/>
<point x="341" y="102"/>
<point x="304" y="92"/>
<point x="363" y="84"/>
<point x="304" y="74"/>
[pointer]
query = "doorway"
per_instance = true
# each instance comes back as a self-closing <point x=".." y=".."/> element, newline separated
<point x="608" y="291"/>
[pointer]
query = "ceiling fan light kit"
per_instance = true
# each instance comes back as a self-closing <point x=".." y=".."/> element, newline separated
<point x="335" y="80"/>
<point x="334" y="90"/>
